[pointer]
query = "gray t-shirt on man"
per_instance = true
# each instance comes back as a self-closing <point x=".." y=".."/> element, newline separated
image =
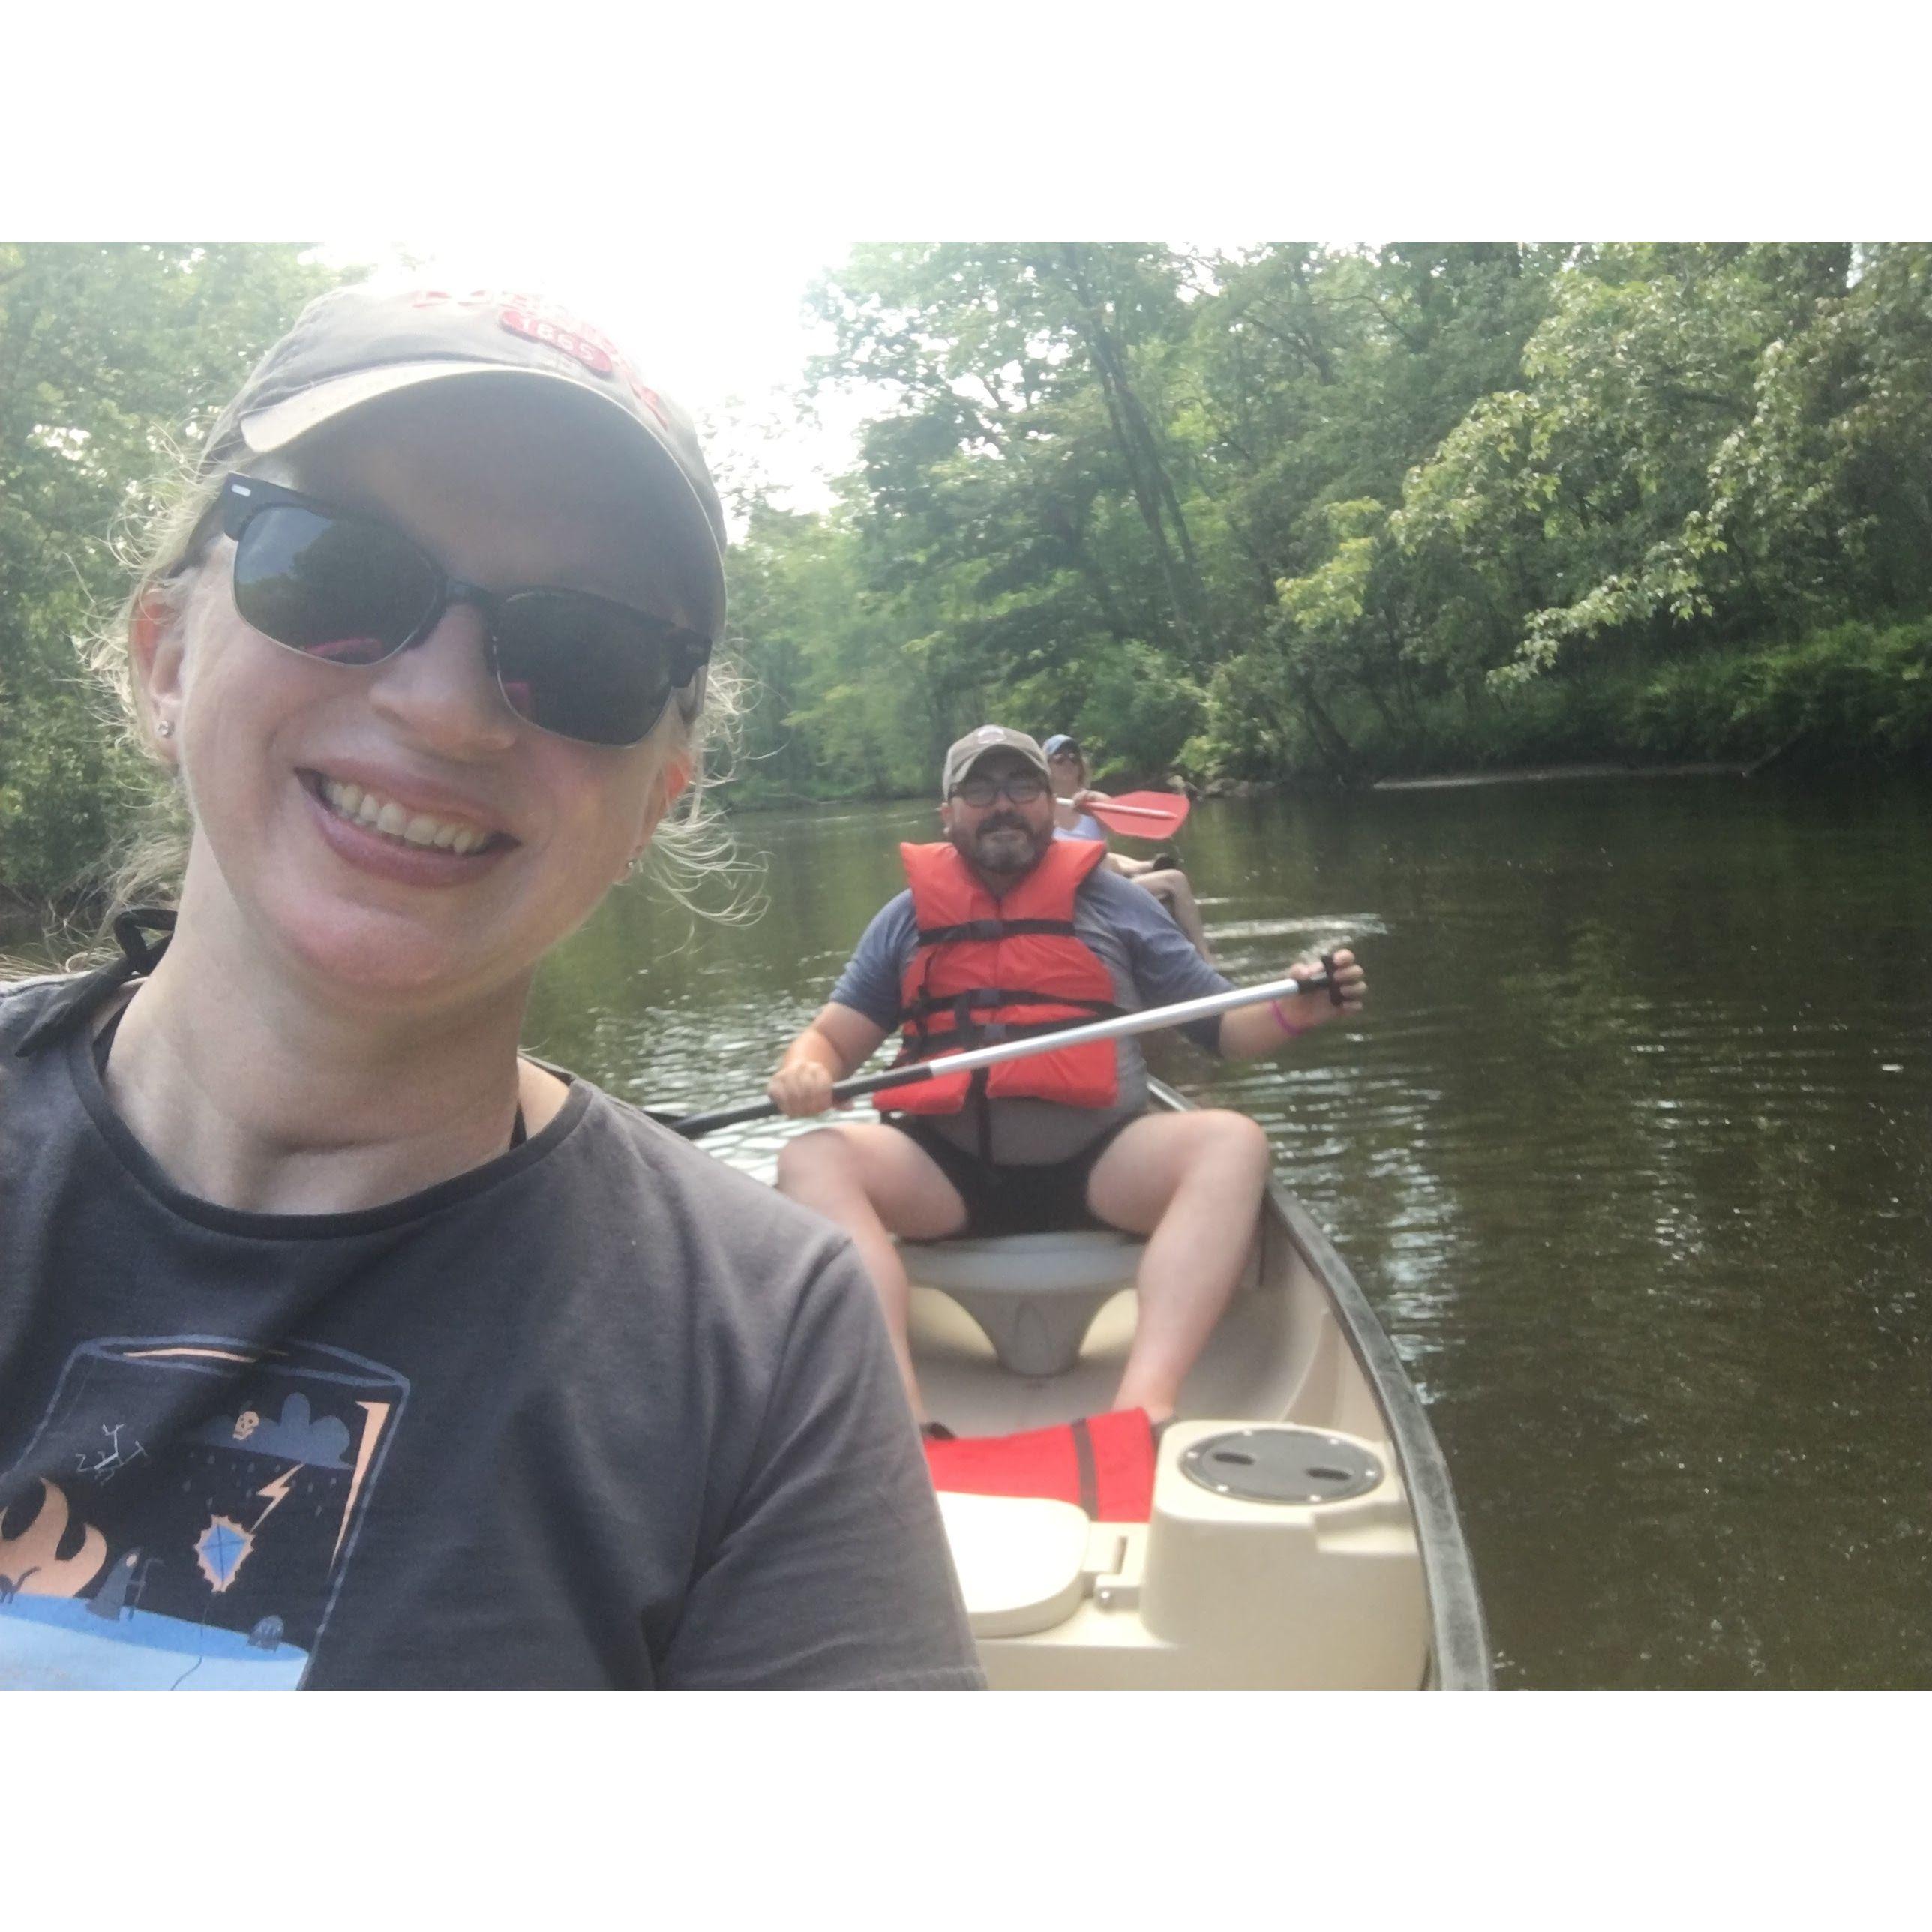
<point x="1151" y="962"/>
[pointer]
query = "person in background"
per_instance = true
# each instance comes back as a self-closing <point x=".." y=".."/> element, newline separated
<point x="1160" y="875"/>
<point x="1061" y="1140"/>
<point x="345" y="1345"/>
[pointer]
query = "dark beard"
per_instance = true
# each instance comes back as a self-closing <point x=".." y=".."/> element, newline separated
<point x="1002" y="859"/>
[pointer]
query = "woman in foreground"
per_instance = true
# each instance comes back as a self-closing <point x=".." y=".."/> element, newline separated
<point x="340" y="1343"/>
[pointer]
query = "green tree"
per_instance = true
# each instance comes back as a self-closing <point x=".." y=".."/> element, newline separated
<point x="1309" y="512"/>
<point x="112" y="358"/>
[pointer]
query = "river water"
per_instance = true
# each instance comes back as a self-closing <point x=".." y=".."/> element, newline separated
<point x="1630" y="1153"/>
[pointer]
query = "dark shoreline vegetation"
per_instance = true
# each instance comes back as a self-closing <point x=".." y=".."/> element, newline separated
<point x="1297" y="516"/>
<point x="1856" y="698"/>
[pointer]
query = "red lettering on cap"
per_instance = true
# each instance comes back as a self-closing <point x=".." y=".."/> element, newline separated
<point x="540" y="328"/>
<point x="648" y="398"/>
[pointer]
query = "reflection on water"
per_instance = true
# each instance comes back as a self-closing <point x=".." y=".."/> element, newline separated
<point x="1631" y="1156"/>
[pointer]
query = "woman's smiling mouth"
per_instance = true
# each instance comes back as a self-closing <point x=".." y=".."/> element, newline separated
<point x="401" y="829"/>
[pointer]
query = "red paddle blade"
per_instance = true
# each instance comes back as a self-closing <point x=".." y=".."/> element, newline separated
<point x="1143" y="814"/>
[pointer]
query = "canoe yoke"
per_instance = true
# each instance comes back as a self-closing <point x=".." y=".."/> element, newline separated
<point x="1035" y="1295"/>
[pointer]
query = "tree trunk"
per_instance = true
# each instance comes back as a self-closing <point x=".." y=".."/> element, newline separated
<point x="1140" y="451"/>
<point x="1342" y="757"/>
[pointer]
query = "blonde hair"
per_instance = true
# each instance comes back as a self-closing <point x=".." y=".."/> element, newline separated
<point x="691" y="858"/>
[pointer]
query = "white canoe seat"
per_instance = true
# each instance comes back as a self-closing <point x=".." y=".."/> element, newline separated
<point x="1022" y="1561"/>
<point x="1035" y="1295"/>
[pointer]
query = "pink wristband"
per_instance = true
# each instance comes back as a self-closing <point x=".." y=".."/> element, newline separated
<point x="1281" y="1019"/>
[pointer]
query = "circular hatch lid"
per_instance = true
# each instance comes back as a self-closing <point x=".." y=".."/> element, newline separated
<point x="1281" y="1464"/>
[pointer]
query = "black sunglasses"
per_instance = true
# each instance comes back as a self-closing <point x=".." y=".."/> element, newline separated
<point x="1022" y="787"/>
<point x="345" y="588"/>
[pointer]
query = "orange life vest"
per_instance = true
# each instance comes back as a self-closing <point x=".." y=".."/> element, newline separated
<point x="987" y="970"/>
<point x="1105" y="1463"/>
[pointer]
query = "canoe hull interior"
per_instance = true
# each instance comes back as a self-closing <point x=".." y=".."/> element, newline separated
<point x="1222" y="1588"/>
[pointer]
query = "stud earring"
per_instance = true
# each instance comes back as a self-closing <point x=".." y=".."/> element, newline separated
<point x="163" y="729"/>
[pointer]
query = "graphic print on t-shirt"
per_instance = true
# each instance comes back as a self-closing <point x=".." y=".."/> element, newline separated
<point x="185" y="1514"/>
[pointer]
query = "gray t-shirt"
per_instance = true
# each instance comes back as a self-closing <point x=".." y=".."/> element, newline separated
<point x="1151" y="963"/>
<point x="600" y="1412"/>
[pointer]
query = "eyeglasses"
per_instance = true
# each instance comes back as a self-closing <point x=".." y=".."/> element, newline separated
<point x="352" y="591"/>
<point x="1022" y="787"/>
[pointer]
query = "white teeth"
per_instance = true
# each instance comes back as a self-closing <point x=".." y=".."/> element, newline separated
<point x="366" y="808"/>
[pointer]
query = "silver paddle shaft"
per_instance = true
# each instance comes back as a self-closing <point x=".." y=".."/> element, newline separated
<point x="1124" y="1026"/>
<point x="1121" y="1026"/>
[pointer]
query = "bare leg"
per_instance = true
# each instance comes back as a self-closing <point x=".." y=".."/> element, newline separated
<point x="1192" y="1183"/>
<point x="875" y="1183"/>
<point x="1173" y="892"/>
<point x="1128" y="869"/>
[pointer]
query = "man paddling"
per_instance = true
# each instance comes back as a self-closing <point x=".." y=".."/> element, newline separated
<point x="1005" y="930"/>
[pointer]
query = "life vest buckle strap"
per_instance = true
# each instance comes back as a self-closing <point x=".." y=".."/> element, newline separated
<point x="919" y="1009"/>
<point x="955" y="993"/>
<point x="992" y="931"/>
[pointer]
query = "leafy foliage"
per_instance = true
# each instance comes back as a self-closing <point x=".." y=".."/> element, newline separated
<point x="108" y="353"/>
<point x="1307" y="512"/>
<point x="1296" y="512"/>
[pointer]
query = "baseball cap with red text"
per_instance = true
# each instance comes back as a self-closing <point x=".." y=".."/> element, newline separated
<point x="968" y="752"/>
<point x="355" y="344"/>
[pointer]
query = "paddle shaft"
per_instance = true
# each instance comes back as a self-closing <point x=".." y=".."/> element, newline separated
<point x="1121" y="1026"/>
<point x="1125" y="811"/>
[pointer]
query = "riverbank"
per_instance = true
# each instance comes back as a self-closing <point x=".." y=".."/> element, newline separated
<point x="1854" y="700"/>
<point x="1547" y="774"/>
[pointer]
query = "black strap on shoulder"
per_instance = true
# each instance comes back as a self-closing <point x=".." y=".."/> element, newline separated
<point x="76" y="1004"/>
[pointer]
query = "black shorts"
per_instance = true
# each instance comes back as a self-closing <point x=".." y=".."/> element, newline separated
<point x="1045" y="1199"/>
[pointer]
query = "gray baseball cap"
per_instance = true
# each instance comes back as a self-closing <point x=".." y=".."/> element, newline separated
<point x="980" y="744"/>
<point x="354" y="344"/>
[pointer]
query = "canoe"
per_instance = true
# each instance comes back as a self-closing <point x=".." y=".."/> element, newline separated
<point x="1303" y="1533"/>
